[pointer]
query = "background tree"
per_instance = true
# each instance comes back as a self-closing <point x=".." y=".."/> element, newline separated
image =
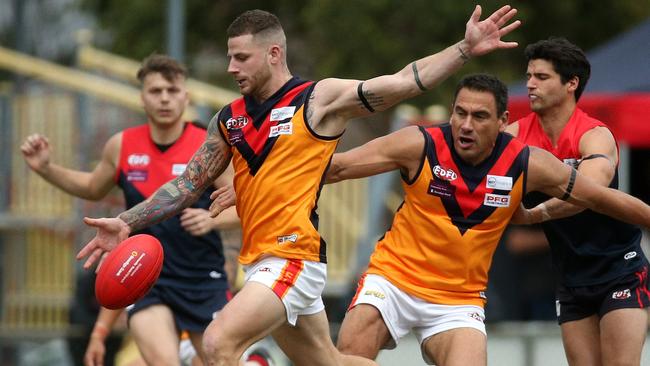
<point x="360" y="39"/>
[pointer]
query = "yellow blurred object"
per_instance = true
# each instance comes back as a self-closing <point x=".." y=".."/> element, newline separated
<point x="129" y="355"/>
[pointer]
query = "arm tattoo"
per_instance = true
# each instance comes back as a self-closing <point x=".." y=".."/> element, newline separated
<point x="205" y="166"/>
<point x="310" y="108"/>
<point x="417" y="77"/>
<point x="369" y="100"/>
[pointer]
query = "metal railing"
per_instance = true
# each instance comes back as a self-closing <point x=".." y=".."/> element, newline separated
<point x="40" y="226"/>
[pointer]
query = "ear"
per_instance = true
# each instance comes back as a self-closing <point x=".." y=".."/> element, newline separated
<point x="503" y="121"/>
<point x="572" y="84"/>
<point x="275" y="54"/>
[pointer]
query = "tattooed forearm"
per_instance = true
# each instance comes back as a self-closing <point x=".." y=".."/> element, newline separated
<point x="205" y="166"/>
<point x="164" y="203"/>
<point x="369" y="100"/>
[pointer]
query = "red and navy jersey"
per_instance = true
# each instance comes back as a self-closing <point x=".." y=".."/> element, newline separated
<point x="440" y="245"/>
<point x="280" y="165"/>
<point x="588" y="248"/>
<point x="191" y="262"/>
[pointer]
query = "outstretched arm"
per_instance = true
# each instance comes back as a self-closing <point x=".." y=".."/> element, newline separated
<point x="548" y="175"/>
<point x="402" y="149"/>
<point x="599" y="159"/>
<point x="204" y="167"/>
<point x="334" y="101"/>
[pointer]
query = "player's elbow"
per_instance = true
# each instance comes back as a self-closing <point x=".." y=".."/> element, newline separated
<point x="332" y="176"/>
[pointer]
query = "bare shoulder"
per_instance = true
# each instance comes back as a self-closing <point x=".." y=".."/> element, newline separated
<point x="112" y="147"/>
<point x="329" y="104"/>
<point x="406" y="145"/>
<point x="598" y="138"/>
<point x="328" y="92"/>
<point x="213" y="125"/>
<point x="544" y="170"/>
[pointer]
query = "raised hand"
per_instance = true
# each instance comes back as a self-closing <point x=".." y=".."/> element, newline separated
<point x="110" y="232"/>
<point x="36" y="150"/>
<point x="482" y="37"/>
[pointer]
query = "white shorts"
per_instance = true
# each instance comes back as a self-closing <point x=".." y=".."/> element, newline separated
<point x="298" y="283"/>
<point x="404" y="313"/>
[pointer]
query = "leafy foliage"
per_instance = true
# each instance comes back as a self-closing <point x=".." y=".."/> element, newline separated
<point x="360" y="39"/>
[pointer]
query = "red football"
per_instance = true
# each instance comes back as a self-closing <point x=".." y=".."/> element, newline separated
<point x="129" y="271"/>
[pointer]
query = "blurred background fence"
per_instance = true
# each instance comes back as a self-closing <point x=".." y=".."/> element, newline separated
<point x="41" y="227"/>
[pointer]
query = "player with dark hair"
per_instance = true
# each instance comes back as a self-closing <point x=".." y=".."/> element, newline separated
<point x="463" y="182"/>
<point x="602" y="287"/>
<point x="280" y="136"/>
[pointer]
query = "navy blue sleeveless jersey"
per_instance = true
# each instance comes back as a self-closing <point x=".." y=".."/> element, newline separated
<point x="191" y="262"/>
<point x="588" y="248"/>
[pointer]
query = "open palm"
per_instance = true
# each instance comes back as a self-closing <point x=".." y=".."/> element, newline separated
<point x="485" y="36"/>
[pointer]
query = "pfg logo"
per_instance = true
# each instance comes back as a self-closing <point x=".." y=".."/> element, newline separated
<point x="496" y="200"/>
<point x="138" y="160"/>
<point x="444" y="174"/>
<point x="236" y="122"/>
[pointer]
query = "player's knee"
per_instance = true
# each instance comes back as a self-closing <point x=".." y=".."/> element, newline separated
<point x="219" y="348"/>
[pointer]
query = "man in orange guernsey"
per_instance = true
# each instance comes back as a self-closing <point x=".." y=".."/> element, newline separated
<point x="463" y="183"/>
<point x="281" y="136"/>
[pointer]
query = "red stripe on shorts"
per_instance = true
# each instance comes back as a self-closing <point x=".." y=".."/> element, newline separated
<point x="642" y="276"/>
<point x="359" y="287"/>
<point x="288" y="277"/>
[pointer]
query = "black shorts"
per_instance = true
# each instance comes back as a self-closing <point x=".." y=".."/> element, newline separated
<point x="629" y="291"/>
<point x="193" y="310"/>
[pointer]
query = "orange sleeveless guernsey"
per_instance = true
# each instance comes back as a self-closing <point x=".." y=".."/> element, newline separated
<point x="442" y="239"/>
<point x="279" y="171"/>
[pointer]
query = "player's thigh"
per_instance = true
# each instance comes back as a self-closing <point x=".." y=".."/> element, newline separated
<point x="155" y="333"/>
<point x="308" y="342"/>
<point x="251" y="315"/>
<point x="581" y="340"/>
<point x="363" y="332"/>
<point x="457" y="347"/>
<point x="196" y="339"/>
<point x="622" y="334"/>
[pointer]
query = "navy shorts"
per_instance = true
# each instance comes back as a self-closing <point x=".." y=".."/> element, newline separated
<point x="193" y="310"/>
<point x="629" y="291"/>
